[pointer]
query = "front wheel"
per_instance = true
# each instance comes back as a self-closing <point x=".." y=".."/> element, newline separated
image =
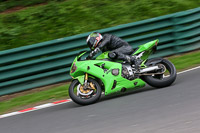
<point x="85" y="94"/>
<point x="162" y="80"/>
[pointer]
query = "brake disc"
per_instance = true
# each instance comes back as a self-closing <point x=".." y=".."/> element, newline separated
<point x="82" y="91"/>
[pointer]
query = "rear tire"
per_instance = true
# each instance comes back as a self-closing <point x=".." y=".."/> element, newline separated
<point x="158" y="80"/>
<point x="85" y="101"/>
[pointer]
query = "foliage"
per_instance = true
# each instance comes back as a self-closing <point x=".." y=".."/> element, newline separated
<point x="186" y="61"/>
<point x="60" y="19"/>
<point x="8" y="4"/>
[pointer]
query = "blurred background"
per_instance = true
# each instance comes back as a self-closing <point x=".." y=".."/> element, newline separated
<point x="26" y="22"/>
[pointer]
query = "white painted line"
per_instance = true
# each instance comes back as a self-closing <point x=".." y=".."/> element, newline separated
<point x="44" y="106"/>
<point x="36" y="108"/>
<point x="9" y="114"/>
<point x="189" y="70"/>
<point x="59" y="102"/>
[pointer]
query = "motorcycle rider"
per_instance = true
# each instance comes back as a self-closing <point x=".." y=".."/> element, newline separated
<point x="119" y="49"/>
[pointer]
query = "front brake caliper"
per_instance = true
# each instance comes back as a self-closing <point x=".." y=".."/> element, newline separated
<point x="92" y="86"/>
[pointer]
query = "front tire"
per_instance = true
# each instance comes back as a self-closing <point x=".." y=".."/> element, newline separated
<point x="84" y="99"/>
<point x="159" y="80"/>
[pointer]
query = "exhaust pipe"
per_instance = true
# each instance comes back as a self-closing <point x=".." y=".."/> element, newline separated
<point x="149" y="69"/>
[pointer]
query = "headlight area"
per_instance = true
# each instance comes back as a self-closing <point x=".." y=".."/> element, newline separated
<point x="73" y="69"/>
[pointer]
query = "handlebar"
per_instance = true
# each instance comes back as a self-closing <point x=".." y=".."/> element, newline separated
<point x="92" y="53"/>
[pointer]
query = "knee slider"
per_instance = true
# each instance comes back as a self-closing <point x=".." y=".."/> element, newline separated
<point x="112" y="55"/>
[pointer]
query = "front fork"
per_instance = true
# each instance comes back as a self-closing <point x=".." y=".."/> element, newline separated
<point x="86" y="84"/>
<point x="83" y="79"/>
<point x="86" y="79"/>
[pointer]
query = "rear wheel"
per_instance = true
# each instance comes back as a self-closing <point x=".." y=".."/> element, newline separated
<point x="85" y="94"/>
<point x="165" y="79"/>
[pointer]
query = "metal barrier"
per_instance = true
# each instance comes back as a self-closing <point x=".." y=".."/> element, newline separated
<point x="49" y="62"/>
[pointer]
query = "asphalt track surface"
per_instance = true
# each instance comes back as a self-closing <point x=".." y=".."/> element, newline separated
<point x="174" y="109"/>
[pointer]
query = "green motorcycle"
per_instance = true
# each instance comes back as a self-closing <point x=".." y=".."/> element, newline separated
<point x="92" y="77"/>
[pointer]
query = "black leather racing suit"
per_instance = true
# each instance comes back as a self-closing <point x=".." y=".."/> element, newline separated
<point x="119" y="49"/>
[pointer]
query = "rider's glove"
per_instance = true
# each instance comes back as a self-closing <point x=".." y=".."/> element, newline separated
<point x="92" y="53"/>
<point x="96" y="50"/>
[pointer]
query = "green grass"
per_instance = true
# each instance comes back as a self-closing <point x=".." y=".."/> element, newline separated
<point x="181" y="62"/>
<point x="186" y="61"/>
<point x="54" y="94"/>
<point x="8" y="4"/>
<point x="60" y="19"/>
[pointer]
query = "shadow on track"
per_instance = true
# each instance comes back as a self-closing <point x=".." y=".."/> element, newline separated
<point x="130" y="92"/>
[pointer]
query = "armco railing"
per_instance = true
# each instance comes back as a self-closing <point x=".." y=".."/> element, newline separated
<point x="49" y="62"/>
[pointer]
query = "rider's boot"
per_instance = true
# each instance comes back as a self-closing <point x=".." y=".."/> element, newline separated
<point x="130" y="59"/>
<point x="133" y="61"/>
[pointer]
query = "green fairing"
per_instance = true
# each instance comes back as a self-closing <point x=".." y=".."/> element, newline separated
<point x="98" y="72"/>
<point x="94" y="68"/>
<point x="147" y="47"/>
<point x="80" y="79"/>
<point x="103" y="56"/>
